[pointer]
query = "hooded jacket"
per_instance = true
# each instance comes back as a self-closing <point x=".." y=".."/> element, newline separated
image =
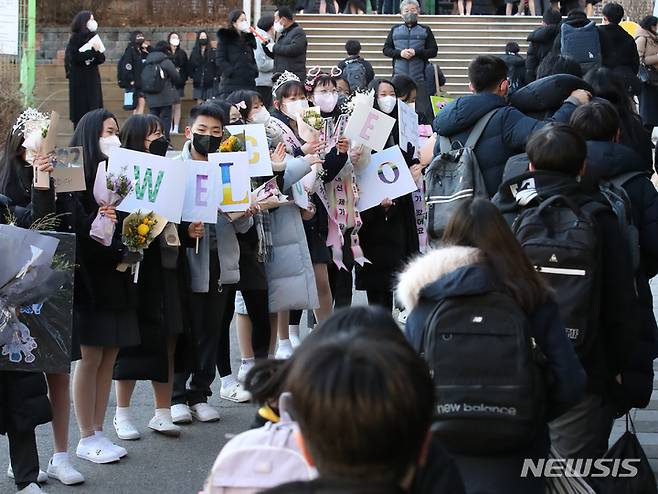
<point x="130" y="65"/>
<point x="541" y="98"/>
<point x="647" y="47"/>
<point x="505" y="135"/>
<point x="541" y="43"/>
<point x="236" y="61"/>
<point x="169" y="95"/>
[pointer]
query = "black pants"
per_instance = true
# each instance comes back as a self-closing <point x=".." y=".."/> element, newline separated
<point x="383" y="298"/>
<point x="340" y="281"/>
<point x="257" y="303"/>
<point x="24" y="457"/>
<point x="210" y="316"/>
<point x="265" y="93"/>
<point x="164" y="113"/>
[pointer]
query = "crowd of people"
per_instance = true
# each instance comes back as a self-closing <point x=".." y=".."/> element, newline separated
<point x="536" y="249"/>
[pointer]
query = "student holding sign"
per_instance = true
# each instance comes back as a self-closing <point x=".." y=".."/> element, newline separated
<point x="159" y="312"/>
<point x="389" y="236"/>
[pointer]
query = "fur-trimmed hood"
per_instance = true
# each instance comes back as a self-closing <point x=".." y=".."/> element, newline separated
<point x="431" y="267"/>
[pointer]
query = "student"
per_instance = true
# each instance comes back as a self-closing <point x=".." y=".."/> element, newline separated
<point x="541" y="42"/>
<point x="235" y="55"/>
<point x="647" y="48"/>
<point x="202" y="68"/>
<point x="85" y="92"/>
<point x="160" y="306"/>
<point x="214" y="274"/>
<point x="481" y="256"/>
<point x="508" y="129"/>
<point x="515" y="66"/>
<point x="588" y="35"/>
<point x="179" y="57"/>
<point x="356" y="70"/>
<point x="557" y="155"/>
<point x="289" y="51"/>
<point x="340" y="374"/>
<point x="129" y="69"/>
<point x="265" y="63"/>
<point x="105" y="302"/>
<point x="609" y="159"/>
<point x="161" y="102"/>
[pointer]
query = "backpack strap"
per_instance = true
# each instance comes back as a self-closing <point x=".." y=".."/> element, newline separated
<point x="621" y="180"/>
<point x="478" y="129"/>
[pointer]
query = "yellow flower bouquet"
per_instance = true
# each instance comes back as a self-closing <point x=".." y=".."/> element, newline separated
<point x="234" y="143"/>
<point x="139" y="230"/>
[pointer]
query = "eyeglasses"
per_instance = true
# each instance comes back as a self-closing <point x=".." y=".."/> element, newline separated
<point x="327" y="91"/>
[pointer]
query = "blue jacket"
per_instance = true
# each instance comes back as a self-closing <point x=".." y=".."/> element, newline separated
<point x="505" y="135"/>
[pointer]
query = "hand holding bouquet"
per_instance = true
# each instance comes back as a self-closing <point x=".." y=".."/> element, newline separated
<point x="309" y="124"/>
<point x="139" y="230"/>
<point x="233" y="143"/>
<point x="109" y="191"/>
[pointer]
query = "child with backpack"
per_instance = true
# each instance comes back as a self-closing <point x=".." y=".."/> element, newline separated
<point x="515" y="67"/>
<point x="492" y="334"/>
<point x="574" y="239"/>
<point x="356" y="70"/>
<point x="129" y="71"/>
<point x="578" y="37"/>
<point x="159" y="80"/>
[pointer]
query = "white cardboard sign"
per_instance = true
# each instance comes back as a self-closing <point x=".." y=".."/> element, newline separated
<point x="260" y="164"/>
<point x="369" y="127"/>
<point x="233" y="181"/>
<point x="408" y="127"/>
<point x="201" y="192"/>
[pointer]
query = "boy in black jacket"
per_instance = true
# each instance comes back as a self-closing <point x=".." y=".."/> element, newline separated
<point x="541" y="42"/>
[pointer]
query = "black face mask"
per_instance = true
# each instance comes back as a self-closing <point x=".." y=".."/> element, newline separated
<point x="139" y="41"/>
<point x="203" y="42"/>
<point x="205" y="145"/>
<point x="159" y="146"/>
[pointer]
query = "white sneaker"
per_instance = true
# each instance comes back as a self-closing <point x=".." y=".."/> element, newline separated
<point x="41" y="478"/>
<point x="164" y="425"/>
<point x="65" y="473"/>
<point x="32" y="489"/>
<point x="283" y="353"/>
<point x="125" y="429"/>
<point x="243" y="371"/>
<point x="106" y="443"/>
<point x="180" y="414"/>
<point x="235" y="393"/>
<point x="294" y="340"/>
<point x="204" y="413"/>
<point x="95" y="452"/>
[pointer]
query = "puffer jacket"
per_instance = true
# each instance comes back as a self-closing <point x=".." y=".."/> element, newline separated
<point x="235" y="59"/>
<point x="418" y="37"/>
<point x="541" y="98"/>
<point x="541" y="43"/>
<point x="290" y="51"/>
<point x="647" y="47"/>
<point x="169" y="94"/>
<point x="264" y="62"/>
<point x="504" y="136"/>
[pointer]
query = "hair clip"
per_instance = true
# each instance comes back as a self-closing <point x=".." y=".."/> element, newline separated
<point x="240" y="105"/>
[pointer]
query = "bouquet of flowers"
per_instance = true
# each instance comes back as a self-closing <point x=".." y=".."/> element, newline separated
<point x="139" y="230"/>
<point x="309" y="124"/>
<point x="366" y="96"/>
<point x="234" y="143"/>
<point x="109" y="190"/>
<point x="34" y="126"/>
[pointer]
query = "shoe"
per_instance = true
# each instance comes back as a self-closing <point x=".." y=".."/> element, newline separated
<point x="96" y="453"/>
<point x="402" y="317"/>
<point x="283" y="353"/>
<point x="180" y="414"/>
<point x="204" y="413"/>
<point x="65" y="473"/>
<point x="125" y="429"/>
<point x="235" y="393"/>
<point x="164" y="426"/>
<point x="106" y="443"/>
<point x="243" y="371"/>
<point x="41" y="478"/>
<point x="32" y="489"/>
<point x="294" y="340"/>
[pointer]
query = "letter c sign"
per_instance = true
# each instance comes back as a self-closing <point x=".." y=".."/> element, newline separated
<point x="382" y="176"/>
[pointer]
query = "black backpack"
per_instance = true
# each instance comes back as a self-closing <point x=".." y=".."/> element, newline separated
<point x="355" y="73"/>
<point x="560" y="239"/>
<point x="489" y="385"/>
<point x="153" y="78"/>
<point x="124" y="71"/>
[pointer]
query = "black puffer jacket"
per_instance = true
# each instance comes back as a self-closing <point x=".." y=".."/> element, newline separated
<point x="236" y="61"/>
<point x="543" y="97"/>
<point x="130" y="65"/>
<point x="619" y="53"/>
<point x="179" y="57"/>
<point x="201" y="66"/>
<point x="290" y="51"/>
<point x="541" y="43"/>
<point x="576" y="18"/>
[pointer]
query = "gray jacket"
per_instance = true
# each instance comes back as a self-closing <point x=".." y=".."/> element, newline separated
<point x="265" y="63"/>
<point x="228" y="249"/>
<point x="169" y="95"/>
<point x="418" y="37"/>
<point x="290" y="51"/>
<point x="290" y="276"/>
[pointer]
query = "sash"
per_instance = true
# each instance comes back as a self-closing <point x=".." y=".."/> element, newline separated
<point x="289" y="138"/>
<point x="420" y="211"/>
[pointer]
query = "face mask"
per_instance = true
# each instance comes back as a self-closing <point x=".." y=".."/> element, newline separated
<point x="108" y="143"/>
<point x="326" y="102"/>
<point x="174" y="41"/>
<point x="386" y="103"/>
<point x="203" y="41"/>
<point x="261" y="116"/>
<point x="244" y="26"/>
<point x="278" y="27"/>
<point x="92" y="25"/>
<point x="410" y="18"/>
<point x="292" y="108"/>
<point x="139" y="41"/>
<point x="412" y="105"/>
<point x="159" y="146"/>
<point x="205" y="145"/>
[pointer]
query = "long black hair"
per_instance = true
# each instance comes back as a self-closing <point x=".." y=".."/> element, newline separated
<point x="374" y="85"/>
<point x="648" y="22"/>
<point x="136" y="129"/>
<point x="79" y="24"/>
<point x="15" y="172"/>
<point x="87" y="135"/>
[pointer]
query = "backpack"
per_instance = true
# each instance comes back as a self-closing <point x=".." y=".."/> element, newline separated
<point x="356" y="74"/>
<point x="153" y="78"/>
<point x="516" y="78"/>
<point x="259" y="459"/>
<point x="485" y="366"/>
<point x="560" y="239"/>
<point x="582" y="44"/>
<point x="453" y="177"/>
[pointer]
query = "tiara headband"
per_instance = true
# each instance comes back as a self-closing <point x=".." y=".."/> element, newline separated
<point x="284" y="79"/>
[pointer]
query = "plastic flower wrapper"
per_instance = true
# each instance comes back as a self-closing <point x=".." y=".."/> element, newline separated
<point x="234" y="143"/>
<point x="139" y="230"/>
<point x="268" y="194"/>
<point x="34" y="126"/>
<point x="26" y="277"/>
<point x="309" y="124"/>
<point x="365" y="96"/>
<point x="109" y="190"/>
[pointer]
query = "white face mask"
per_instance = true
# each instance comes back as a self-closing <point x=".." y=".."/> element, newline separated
<point x="278" y="27"/>
<point x="174" y="41"/>
<point x="108" y="143"/>
<point x="412" y="105"/>
<point x="262" y="116"/>
<point x="326" y="102"/>
<point x="292" y="108"/>
<point x="92" y="25"/>
<point x="386" y="103"/>
<point x="244" y="26"/>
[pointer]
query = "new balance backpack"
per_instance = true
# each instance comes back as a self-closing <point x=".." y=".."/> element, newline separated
<point x="453" y="177"/>
<point x="582" y="44"/>
<point x="356" y="74"/>
<point x="153" y="78"/>
<point x="560" y="239"/>
<point x="485" y="365"/>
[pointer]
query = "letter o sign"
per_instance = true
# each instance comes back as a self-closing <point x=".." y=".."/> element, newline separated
<point x="382" y="174"/>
